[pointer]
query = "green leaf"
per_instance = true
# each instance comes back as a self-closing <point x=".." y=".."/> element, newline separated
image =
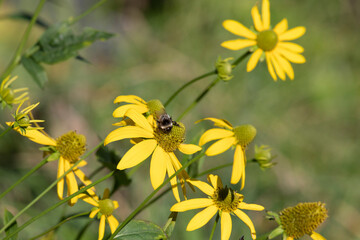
<point x="141" y="230"/>
<point x="35" y="70"/>
<point x="7" y="217"/>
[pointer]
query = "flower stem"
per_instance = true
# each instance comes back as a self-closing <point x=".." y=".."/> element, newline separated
<point x="15" y="61"/>
<point x="151" y="195"/>
<point x="39" y="165"/>
<point x="84" y="14"/>
<point x="5" y="131"/>
<point x="214" y="227"/>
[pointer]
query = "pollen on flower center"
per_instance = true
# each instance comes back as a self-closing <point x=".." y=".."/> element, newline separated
<point x="71" y="146"/>
<point x="170" y="141"/>
<point x="106" y="207"/>
<point x="226" y="199"/>
<point x="244" y="134"/>
<point x="267" y="40"/>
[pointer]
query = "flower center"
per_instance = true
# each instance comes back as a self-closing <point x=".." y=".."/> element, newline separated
<point x="302" y="219"/>
<point x="7" y="94"/>
<point x="154" y="106"/>
<point x="227" y="199"/>
<point x="23" y="120"/>
<point x="71" y="146"/>
<point x="244" y="134"/>
<point x="170" y="141"/>
<point x="267" y="40"/>
<point x="106" y="207"/>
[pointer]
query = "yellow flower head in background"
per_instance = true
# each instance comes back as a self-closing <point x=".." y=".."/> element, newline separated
<point x="104" y="208"/>
<point x="8" y="95"/>
<point x="221" y="199"/>
<point x="22" y="120"/>
<point x="228" y="136"/>
<point x="152" y="141"/>
<point x="273" y="42"/>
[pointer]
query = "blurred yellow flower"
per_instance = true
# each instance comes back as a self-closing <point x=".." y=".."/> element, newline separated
<point x="22" y="120"/>
<point x="104" y="208"/>
<point x="153" y="141"/>
<point x="274" y="42"/>
<point x="8" y="95"/>
<point x="221" y="199"/>
<point x="228" y="136"/>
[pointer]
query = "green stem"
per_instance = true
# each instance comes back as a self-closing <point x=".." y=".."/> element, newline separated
<point x="49" y="188"/>
<point x="5" y="131"/>
<point x="16" y="60"/>
<point x="84" y="14"/>
<point x="214" y="227"/>
<point x="57" y="205"/>
<point x="188" y="84"/>
<point x="151" y="195"/>
<point x="60" y="223"/>
<point x="39" y="165"/>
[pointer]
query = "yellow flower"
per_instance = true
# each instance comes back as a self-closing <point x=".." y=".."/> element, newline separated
<point x="7" y="94"/>
<point x="104" y="209"/>
<point x="221" y="199"/>
<point x="22" y="120"/>
<point x="274" y="42"/>
<point x="156" y="143"/>
<point x="228" y="136"/>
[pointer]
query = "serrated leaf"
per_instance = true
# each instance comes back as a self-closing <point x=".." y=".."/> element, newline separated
<point x="7" y="217"/>
<point x="141" y="230"/>
<point x="35" y="70"/>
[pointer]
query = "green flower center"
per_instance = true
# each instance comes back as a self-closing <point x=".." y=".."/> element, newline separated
<point x="71" y="146"/>
<point x="170" y="141"/>
<point x="23" y="121"/>
<point x="7" y="94"/>
<point x="302" y="219"/>
<point x="106" y="207"/>
<point x="244" y="134"/>
<point x="267" y="40"/>
<point x="155" y="106"/>
<point x="227" y="199"/>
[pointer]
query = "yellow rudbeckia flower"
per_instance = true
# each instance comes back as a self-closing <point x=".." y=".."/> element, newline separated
<point x="156" y="143"/>
<point x="221" y="199"/>
<point x="228" y="136"/>
<point x="271" y="41"/>
<point x="8" y="94"/>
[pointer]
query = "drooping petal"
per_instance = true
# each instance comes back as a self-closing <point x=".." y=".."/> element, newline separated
<point x="293" y="47"/>
<point x="82" y="164"/>
<point x="270" y="66"/>
<point x="120" y="111"/>
<point x="218" y="122"/>
<point x="60" y="183"/>
<point x="317" y="236"/>
<point x="226" y="225"/>
<point x="213" y="134"/>
<point x="183" y="175"/>
<point x="88" y="199"/>
<point x="215" y="181"/>
<point x="220" y="146"/>
<point x="257" y="19"/>
<point x="238" y="44"/>
<point x="173" y="182"/>
<point x="113" y="223"/>
<point x="71" y="182"/>
<point x="82" y="177"/>
<point x="201" y="218"/>
<point x="189" y="148"/>
<point x="94" y="212"/>
<point x="158" y="167"/>
<point x="279" y="71"/>
<point x="191" y="204"/>
<point x="291" y="56"/>
<point x="204" y="187"/>
<point x="238" y="29"/>
<point x="285" y="65"/>
<point x="254" y="207"/>
<point x="35" y="136"/>
<point x="102" y="227"/>
<point x="292" y="34"/>
<point x="139" y="119"/>
<point x="127" y="132"/>
<point x="289" y="238"/>
<point x="265" y="10"/>
<point x="238" y="165"/>
<point x="245" y="218"/>
<point x="254" y="59"/>
<point x="281" y="27"/>
<point x="129" y="99"/>
<point x="138" y="153"/>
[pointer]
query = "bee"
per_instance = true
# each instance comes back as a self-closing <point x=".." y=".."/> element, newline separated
<point x="164" y="121"/>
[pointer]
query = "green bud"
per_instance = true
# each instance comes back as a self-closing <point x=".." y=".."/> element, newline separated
<point x="8" y="95"/>
<point x="224" y="69"/>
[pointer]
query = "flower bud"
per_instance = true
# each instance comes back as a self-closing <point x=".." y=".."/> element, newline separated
<point x="224" y="69"/>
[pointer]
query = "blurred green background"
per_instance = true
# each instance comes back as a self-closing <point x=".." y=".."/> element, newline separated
<point x="311" y="123"/>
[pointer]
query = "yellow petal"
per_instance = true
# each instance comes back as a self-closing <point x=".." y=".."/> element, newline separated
<point x="102" y="227"/>
<point x="60" y="184"/>
<point x="158" y="167"/>
<point x="238" y="44"/>
<point x="254" y="59"/>
<point x="289" y="238"/>
<point x="204" y="187"/>
<point x="106" y="193"/>
<point x="257" y="19"/>
<point x="238" y="29"/>
<point x="215" y="181"/>
<point x="120" y="111"/>
<point x="291" y="56"/>
<point x="191" y="204"/>
<point x="113" y="223"/>
<point x="116" y="204"/>
<point x="88" y="199"/>
<point x="81" y="164"/>
<point x="213" y="134"/>
<point x="292" y="34"/>
<point x="82" y="177"/>
<point x="220" y="146"/>
<point x="281" y="27"/>
<point x="279" y="70"/>
<point x="270" y="66"/>
<point x="226" y="225"/>
<point x="127" y="132"/>
<point x="173" y="181"/>
<point x="317" y="236"/>
<point x="254" y="207"/>
<point x="265" y="10"/>
<point x="94" y="212"/>
<point x="35" y="136"/>
<point x="245" y="218"/>
<point x="138" y="153"/>
<point x="293" y="47"/>
<point x="129" y="99"/>
<point x="218" y="122"/>
<point x="285" y="65"/>
<point x="238" y="165"/>
<point x="71" y="182"/>
<point x="201" y="218"/>
<point x="189" y="148"/>
<point x="139" y="119"/>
